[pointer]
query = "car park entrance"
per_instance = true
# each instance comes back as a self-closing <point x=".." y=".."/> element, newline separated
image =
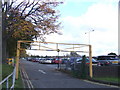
<point x="52" y="46"/>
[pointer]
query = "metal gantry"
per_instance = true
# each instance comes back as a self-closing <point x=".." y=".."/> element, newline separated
<point x="70" y="48"/>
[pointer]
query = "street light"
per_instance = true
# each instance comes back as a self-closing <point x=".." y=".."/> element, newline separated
<point x="89" y="34"/>
<point x="90" y="54"/>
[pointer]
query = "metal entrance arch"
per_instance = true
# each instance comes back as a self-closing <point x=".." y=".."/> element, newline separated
<point x="59" y="47"/>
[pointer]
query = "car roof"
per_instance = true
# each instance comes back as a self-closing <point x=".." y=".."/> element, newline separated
<point x="106" y="55"/>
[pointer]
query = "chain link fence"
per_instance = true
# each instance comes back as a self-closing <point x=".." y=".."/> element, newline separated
<point x="80" y="70"/>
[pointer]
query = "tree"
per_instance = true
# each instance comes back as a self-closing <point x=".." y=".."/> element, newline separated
<point x="28" y="20"/>
<point x="42" y="15"/>
<point x="23" y="53"/>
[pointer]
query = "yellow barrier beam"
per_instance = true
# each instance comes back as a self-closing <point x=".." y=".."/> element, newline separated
<point x="22" y="41"/>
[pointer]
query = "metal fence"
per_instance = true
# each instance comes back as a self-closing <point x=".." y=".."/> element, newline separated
<point x="6" y="80"/>
<point x="81" y="70"/>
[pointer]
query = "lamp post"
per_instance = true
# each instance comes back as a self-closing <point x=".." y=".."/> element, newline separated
<point x="89" y="34"/>
<point x="90" y="54"/>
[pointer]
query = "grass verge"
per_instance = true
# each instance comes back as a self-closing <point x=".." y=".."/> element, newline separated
<point x="74" y="74"/>
<point x="109" y="79"/>
<point x="19" y="82"/>
<point x="8" y="69"/>
<point x="77" y="75"/>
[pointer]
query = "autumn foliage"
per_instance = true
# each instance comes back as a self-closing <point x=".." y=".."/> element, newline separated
<point x="27" y="20"/>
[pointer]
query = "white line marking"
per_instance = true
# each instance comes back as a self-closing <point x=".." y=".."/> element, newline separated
<point x="22" y="77"/>
<point x="42" y="71"/>
<point x="28" y="81"/>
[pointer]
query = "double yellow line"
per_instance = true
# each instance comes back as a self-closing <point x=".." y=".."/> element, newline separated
<point x="25" y="78"/>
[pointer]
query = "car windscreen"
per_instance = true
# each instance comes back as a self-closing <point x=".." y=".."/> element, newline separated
<point x="79" y="59"/>
<point x="93" y="60"/>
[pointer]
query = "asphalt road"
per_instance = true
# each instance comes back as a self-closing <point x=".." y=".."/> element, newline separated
<point x="45" y="76"/>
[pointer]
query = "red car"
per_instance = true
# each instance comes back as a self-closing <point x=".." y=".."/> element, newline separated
<point x="57" y="61"/>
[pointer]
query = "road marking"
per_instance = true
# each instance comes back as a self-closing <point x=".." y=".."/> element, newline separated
<point x="42" y="71"/>
<point x="21" y="73"/>
<point x="27" y="79"/>
<point x="29" y="82"/>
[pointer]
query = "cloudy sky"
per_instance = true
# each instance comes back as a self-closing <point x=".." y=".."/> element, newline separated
<point x="82" y="16"/>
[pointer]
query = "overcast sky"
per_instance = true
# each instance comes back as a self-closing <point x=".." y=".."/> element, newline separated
<point x="81" y="16"/>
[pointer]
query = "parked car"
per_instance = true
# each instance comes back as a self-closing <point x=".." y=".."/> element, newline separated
<point x="65" y="60"/>
<point x="42" y="60"/>
<point x="56" y="61"/>
<point x="47" y="60"/>
<point x="106" y="60"/>
<point x="53" y="60"/>
<point x="87" y="60"/>
<point x="29" y="59"/>
<point x="36" y="59"/>
<point x="73" y="59"/>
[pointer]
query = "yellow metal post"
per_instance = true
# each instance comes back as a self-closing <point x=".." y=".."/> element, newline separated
<point x="17" y="59"/>
<point x="90" y="57"/>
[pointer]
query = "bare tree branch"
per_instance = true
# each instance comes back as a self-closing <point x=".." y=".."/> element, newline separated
<point x="31" y="11"/>
<point x="26" y="6"/>
<point x="18" y="6"/>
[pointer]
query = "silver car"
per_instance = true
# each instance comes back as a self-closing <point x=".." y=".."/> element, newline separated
<point x="106" y="60"/>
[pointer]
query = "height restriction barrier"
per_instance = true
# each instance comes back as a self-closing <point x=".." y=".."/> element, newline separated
<point x="52" y="46"/>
